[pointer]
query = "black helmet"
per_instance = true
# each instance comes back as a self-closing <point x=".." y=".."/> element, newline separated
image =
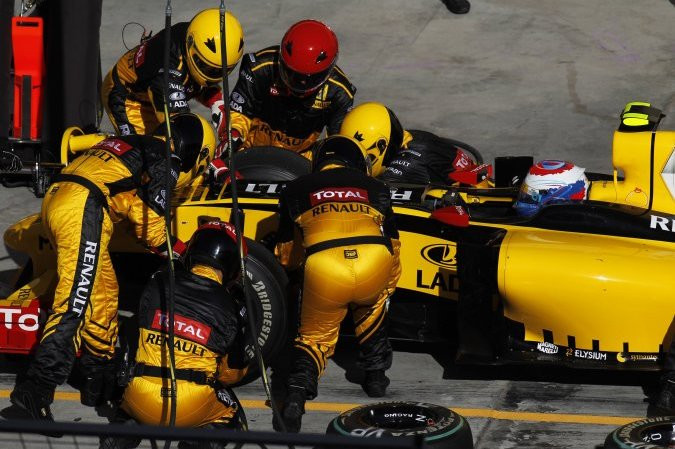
<point x="215" y="244"/>
<point x="342" y="151"/>
<point x="193" y="142"/>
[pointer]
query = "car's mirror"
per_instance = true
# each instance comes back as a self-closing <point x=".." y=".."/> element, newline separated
<point x="510" y="171"/>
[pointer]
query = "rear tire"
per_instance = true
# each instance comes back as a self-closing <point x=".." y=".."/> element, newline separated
<point x="468" y="149"/>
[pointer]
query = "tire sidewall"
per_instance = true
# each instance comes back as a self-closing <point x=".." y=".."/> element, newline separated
<point x="629" y="436"/>
<point x="450" y="431"/>
<point x="271" y="164"/>
<point x="267" y="288"/>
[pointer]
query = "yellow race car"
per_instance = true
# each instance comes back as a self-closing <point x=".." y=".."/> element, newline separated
<point x="581" y="284"/>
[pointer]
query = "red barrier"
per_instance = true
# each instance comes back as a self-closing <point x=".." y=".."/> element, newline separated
<point x="28" y="51"/>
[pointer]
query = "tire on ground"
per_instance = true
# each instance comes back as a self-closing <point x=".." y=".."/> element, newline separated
<point x="267" y="287"/>
<point x="271" y="164"/>
<point x="440" y="426"/>
<point x="649" y="433"/>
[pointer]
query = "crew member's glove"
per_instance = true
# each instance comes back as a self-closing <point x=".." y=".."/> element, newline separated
<point x="99" y="379"/>
<point x="219" y="172"/>
<point x="237" y="141"/>
<point x="178" y="249"/>
<point x="218" y="117"/>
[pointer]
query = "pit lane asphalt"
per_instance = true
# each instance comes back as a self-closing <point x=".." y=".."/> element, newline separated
<point x="544" y="77"/>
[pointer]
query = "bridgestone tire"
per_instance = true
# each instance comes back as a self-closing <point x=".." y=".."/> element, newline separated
<point x="267" y="287"/>
<point x="471" y="151"/>
<point x="648" y="433"/>
<point x="271" y="164"/>
<point x="441" y="427"/>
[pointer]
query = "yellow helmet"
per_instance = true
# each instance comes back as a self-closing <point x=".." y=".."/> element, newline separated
<point x="194" y="143"/>
<point x="377" y="129"/>
<point x="203" y="45"/>
<point x="340" y="151"/>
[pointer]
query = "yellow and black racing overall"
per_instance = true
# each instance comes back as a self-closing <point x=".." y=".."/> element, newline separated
<point x="424" y="158"/>
<point x="266" y="114"/>
<point x="207" y="330"/>
<point x="117" y="179"/>
<point x="132" y="91"/>
<point x="351" y="261"/>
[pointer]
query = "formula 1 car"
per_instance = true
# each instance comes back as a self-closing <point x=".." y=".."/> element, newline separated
<point x="581" y="284"/>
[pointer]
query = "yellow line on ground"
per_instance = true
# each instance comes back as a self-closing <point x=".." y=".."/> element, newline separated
<point x="339" y="407"/>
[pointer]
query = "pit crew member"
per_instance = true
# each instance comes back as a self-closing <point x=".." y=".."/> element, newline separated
<point x="119" y="178"/>
<point x="403" y="156"/>
<point x="286" y="94"/>
<point x="208" y="323"/>
<point x="133" y="90"/>
<point x="351" y="261"/>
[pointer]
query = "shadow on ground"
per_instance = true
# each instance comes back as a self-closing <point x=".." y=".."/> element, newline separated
<point x="346" y="353"/>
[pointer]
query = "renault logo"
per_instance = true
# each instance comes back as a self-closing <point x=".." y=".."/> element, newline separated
<point x="441" y="254"/>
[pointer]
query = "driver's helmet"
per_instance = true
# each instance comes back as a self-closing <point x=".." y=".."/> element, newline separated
<point x="202" y="45"/>
<point x="307" y="55"/>
<point x="340" y="151"/>
<point x="549" y="182"/>
<point x="194" y="143"/>
<point x="377" y="129"/>
<point x="214" y="244"/>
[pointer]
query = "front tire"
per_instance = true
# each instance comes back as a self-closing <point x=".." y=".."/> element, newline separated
<point x="267" y="287"/>
<point x="271" y="164"/>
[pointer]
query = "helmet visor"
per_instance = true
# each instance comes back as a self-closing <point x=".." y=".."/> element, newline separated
<point x="531" y="199"/>
<point x="300" y="83"/>
<point x="209" y="71"/>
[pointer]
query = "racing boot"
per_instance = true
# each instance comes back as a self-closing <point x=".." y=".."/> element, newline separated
<point x="375" y="383"/>
<point x="457" y="6"/>
<point x="35" y="399"/>
<point x="111" y="442"/>
<point x="294" y="408"/>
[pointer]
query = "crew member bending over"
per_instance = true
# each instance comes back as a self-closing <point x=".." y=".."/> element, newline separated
<point x="351" y="261"/>
<point x="119" y="178"/>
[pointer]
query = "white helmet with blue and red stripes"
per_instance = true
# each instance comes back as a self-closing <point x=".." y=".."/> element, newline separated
<point x="549" y="182"/>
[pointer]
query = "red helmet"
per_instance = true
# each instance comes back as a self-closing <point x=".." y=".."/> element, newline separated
<point x="308" y="54"/>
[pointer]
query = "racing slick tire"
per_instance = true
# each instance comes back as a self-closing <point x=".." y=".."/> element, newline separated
<point x="471" y="151"/>
<point x="440" y="426"/>
<point x="649" y="433"/>
<point x="267" y="287"/>
<point x="271" y="164"/>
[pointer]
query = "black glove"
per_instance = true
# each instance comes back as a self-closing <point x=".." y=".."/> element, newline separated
<point x="294" y="408"/>
<point x="99" y="379"/>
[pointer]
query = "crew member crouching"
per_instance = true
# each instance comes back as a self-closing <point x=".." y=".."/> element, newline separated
<point x="208" y="343"/>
